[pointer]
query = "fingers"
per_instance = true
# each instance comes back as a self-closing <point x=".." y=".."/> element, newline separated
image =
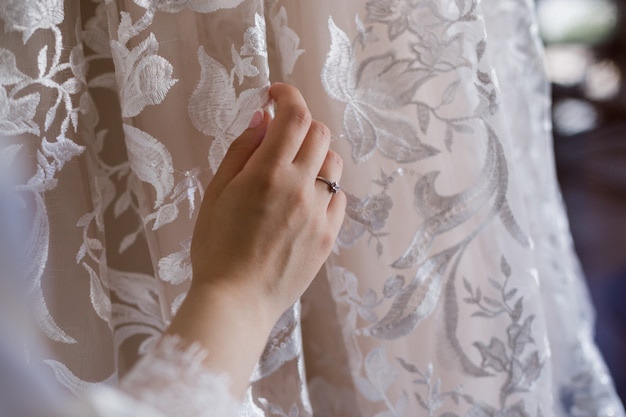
<point x="334" y="203"/>
<point x="287" y="131"/>
<point x="237" y="156"/>
<point x="331" y="169"/>
<point x="314" y="148"/>
<point x="336" y="211"/>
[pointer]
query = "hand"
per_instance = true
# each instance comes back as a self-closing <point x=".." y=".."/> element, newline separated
<point x="264" y="229"/>
<point x="266" y="225"/>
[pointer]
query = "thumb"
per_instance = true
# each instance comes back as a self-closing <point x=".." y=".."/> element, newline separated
<point x="238" y="154"/>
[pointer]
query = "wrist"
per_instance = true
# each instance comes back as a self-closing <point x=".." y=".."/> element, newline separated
<point x="232" y="327"/>
<point x="246" y="308"/>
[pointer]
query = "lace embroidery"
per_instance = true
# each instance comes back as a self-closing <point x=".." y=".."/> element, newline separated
<point x="371" y="91"/>
<point x="447" y="164"/>
<point x="138" y="310"/>
<point x="435" y="54"/>
<point x="144" y="77"/>
<point x="176" y="268"/>
<point x="285" y="39"/>
<point x="152" y="163"/>
<point x="173" y="379"/>
<point x="18" y="108"/>
<point x="74" y="384"/>
<point x="227" y="114"/>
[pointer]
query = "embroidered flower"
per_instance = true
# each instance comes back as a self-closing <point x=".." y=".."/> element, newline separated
<point x="393" y="12"/>
<point x="254" y="38"/>
<point x="144" y="78"/>
<point x="443" y="54"/>
<point x="367" y="214"/>
<point x="176" y="267"/>
<point x="373" y="90"/>
<point x="225" y="118"/>
<point x="387" y="11"/>
<point x="401" y="16"/>
<point x="28" y="16"/>
<point x="370" y="211"/>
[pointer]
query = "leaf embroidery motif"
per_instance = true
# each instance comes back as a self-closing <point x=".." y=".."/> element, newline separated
<point x="37" y="245"/>
<point x="243" y="67"/>
<point x="16" y="115"/>
<point x="9" y="74"/>
<point x="375" y="80"/>
<point x="140" y="311"/>
<point x="74" y="384"/>
<point x="443" y="213"/>
<point x="215" y="109"/>
<point x="416" y="300"/>
<point x="380" y="375"/>
<point x="151" y="161"/>
<point x="287" y="42"/>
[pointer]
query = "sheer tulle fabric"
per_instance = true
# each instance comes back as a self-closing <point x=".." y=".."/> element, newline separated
<point x="452" y="290"/>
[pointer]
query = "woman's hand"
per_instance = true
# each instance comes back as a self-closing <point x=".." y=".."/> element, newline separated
<point x="266" y="225"/>
<point x="264" y="229"/>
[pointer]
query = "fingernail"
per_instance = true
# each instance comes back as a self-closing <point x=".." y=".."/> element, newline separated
<point x="256" y="120"/>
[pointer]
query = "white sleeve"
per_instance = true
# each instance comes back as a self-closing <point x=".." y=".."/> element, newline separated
<point x="169" y="381"/>
<point x="109" y="402"/>
<point x="173" y="379"/>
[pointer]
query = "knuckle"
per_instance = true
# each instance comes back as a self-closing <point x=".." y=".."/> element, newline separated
<point x="298" y="114"/>
<point x="284" y="93"/>
<point x="335" y="159"/>
<point x="320" y="129"/>
<point x="327" y="241"/>
<point x="290" y="90"/>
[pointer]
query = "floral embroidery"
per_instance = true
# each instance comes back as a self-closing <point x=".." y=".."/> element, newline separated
<point x="426" y="98"/>
<point x="28" y="16"/>
<point x="226" y="117"/>
<point x="144" y="77"/>
<point x="367" y="214"/>
<point x="384" y="80"/>
<point x="286" y="39"/>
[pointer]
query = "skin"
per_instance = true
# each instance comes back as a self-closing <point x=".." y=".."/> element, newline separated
<point x="264" y="229"/>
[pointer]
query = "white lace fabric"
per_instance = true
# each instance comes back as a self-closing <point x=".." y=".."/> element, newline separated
<point x="453" y="289"/>
<point x="173" y="379"/>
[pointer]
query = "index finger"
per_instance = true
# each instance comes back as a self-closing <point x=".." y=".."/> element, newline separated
<point x="287" y="131"/>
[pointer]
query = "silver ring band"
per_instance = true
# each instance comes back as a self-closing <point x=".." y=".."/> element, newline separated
<point x="333" y="186"/>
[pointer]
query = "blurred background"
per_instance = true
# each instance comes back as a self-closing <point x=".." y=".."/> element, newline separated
<point x="586" y="62"/>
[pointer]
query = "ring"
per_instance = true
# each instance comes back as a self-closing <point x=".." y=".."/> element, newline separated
<point x="333" y="187"/>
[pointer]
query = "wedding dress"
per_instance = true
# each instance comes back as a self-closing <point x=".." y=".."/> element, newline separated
<point x="453" y="289"/>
